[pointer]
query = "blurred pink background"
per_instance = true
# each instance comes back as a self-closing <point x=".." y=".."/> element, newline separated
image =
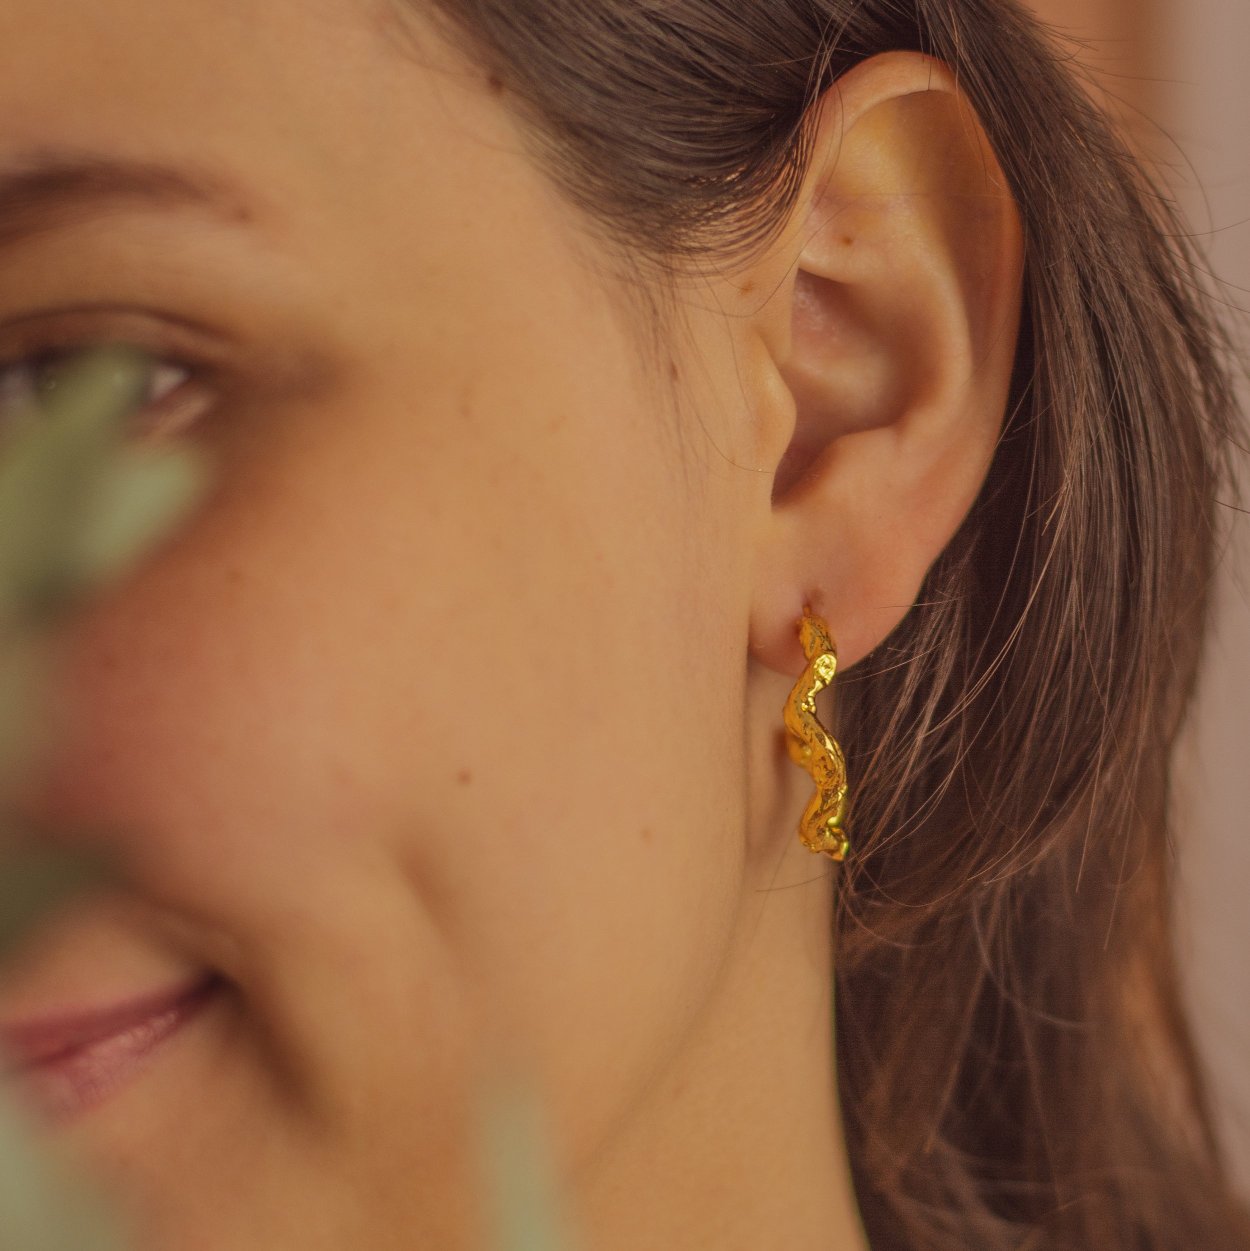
<point x="1204" y="103"/>
<point x="1177" y="69"/>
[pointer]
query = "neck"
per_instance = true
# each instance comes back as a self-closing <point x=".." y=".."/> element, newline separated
<point x="738" y="1144"/>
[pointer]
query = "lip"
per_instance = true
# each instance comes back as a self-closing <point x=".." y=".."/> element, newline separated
<point x="70" y="1062"/>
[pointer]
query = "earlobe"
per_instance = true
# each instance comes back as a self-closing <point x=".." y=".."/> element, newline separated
<point x="896" y="336"/>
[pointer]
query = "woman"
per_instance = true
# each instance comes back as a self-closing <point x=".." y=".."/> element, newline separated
<point x="554" y="358"/>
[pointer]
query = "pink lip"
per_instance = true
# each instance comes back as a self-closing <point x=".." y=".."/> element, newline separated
<point x="70" y="1062"/>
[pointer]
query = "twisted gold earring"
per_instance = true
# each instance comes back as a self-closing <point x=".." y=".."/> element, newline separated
<point x="812" y="746"/>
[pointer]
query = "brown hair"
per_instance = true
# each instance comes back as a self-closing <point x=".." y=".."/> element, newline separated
<point x="1015" y="1066"/>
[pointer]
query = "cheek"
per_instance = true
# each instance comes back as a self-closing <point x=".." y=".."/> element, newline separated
<point x="434" y="728"/>
<point x="559" y="751"/>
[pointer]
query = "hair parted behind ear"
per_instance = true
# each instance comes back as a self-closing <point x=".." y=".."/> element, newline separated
<point x="1015" y="1067"/>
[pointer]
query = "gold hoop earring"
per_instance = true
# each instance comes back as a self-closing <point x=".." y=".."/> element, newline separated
<point x="813" y="748"/>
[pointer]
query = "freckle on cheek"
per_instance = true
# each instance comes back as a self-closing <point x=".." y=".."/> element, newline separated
<point x="464" y="777"/>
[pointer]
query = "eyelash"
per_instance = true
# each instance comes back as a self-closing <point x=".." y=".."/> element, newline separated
<point x="160" y="416"/>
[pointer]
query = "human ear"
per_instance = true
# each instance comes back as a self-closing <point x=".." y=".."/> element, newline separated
<point x="881" y="361"/>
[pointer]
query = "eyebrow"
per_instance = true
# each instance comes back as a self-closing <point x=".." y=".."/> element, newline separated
<point x="41" y="191"/>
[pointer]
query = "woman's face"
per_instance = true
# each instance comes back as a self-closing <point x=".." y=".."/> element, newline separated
<point x="427" y="733"/>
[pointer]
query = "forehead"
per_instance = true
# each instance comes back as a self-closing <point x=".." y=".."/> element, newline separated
<point x="357" y="145"/>
<point x="136" y="61"/>
<point x="308" y="98"/>
<point x="363" y="147"/>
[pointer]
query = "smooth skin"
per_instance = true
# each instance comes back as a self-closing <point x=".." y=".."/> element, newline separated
<point x="449" y="732"/>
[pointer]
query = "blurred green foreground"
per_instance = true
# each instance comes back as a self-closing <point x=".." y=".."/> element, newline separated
<point x="81" y="504"/>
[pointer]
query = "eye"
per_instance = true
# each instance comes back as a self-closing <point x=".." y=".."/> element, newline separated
<point x="171" y="403"/>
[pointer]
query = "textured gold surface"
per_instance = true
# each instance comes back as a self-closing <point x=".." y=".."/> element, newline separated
<point x="814" y="748"/>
